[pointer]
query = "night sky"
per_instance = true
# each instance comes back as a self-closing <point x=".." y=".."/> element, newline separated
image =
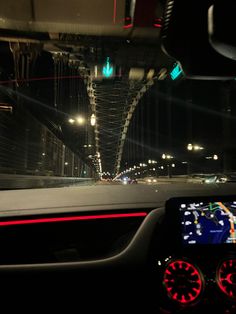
<point x="178" y="113"/>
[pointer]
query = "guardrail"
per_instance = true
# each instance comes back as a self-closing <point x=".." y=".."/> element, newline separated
<point x="12" y="181"/>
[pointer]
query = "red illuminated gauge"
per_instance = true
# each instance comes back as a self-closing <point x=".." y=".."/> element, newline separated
<point x="226" y="277"/>
<point x="183" y="282"/>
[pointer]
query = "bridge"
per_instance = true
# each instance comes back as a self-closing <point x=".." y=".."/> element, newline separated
<point x="86" y="91"/>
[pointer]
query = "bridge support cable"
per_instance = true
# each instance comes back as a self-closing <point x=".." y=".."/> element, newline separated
<point x="127" y="120"/>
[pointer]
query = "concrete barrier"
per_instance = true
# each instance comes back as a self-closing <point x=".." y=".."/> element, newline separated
<point x="12" y="181"/>
<point x="176" y="179"/>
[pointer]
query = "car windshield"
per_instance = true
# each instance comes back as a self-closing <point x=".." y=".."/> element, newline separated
<point x="118" y="154"/>
<point x="101" y="93"/>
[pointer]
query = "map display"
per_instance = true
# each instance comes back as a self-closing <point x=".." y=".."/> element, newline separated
<point x="208" y="223"/>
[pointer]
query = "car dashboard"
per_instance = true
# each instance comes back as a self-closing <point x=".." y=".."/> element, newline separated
<point x="183" y="246"/>
<point x="196" y="258"/>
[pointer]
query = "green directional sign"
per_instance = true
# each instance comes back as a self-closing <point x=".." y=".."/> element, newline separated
<point x="107" y="70"/>
<point x="176" y="71"/>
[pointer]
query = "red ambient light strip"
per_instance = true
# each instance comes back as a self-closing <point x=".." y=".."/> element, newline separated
<point x="72" y="218"/>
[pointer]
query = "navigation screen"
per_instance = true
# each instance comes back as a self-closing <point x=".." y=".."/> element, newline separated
<point x="208" y="222"/>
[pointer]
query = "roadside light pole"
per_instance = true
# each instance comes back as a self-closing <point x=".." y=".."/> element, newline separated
<point x="168" y="158"/>
<point x="226" y="125"/>
<point x="168" y="171"/>
<point x="192" y="148"/>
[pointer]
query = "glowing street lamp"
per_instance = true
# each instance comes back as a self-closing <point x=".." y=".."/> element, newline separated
<point x="93" y="119"/>
<point x="195" y="147"/>
<point x="71" y="121"/>
<point x="166" y="156"/>
<point x="152" y="161"/>
<point x="190" y="147"/>
<point x="80" y="120"/>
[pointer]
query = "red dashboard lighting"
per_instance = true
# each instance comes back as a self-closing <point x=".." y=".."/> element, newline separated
<point x="183" y="282"/>
<point x="71" y="218"/>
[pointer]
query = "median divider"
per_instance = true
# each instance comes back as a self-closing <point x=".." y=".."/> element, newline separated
<point x="14" y="181"/>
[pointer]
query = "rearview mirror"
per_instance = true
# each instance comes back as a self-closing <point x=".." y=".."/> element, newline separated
<point x="221" y="27"/>
<point x="185" y="37"/>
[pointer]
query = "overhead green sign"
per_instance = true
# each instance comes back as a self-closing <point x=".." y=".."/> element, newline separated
<point x="107" y="70"/>
<point x="176" y="72"/>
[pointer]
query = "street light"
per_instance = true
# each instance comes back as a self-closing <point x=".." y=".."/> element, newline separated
<point x="194" y="147"/>
<point x="168" y="157"/>
<point x="93" y="119"/>
<point x="197" y="147"/>
<point x="152" y="161"/>
<point x="71" y="121"/>
<point x="80" y="120"/>
<point x="87" y="145"/>
<point x="190" y="147"/>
